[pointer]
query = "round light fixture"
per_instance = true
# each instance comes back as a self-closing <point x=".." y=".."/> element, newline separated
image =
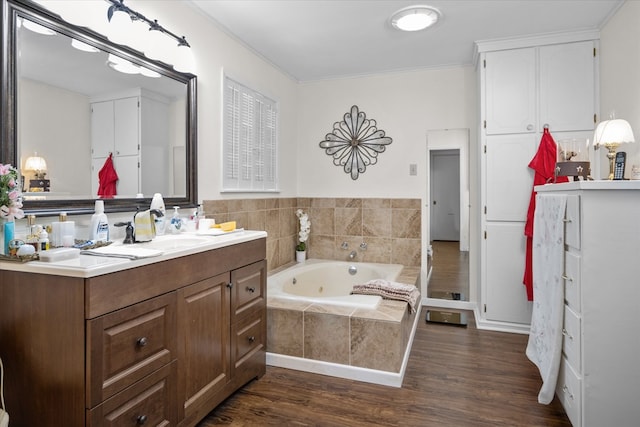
<point x="415" y="18"/>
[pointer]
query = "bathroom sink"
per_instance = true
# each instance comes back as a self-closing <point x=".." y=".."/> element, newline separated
<point x="166" y="243"/>
<point x="173" y="242"/>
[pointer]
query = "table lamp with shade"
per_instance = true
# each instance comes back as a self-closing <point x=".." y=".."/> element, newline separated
<point x="612" y="133"/>
<point x="38" y="165"/>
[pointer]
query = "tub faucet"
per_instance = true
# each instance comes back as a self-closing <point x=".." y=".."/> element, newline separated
<point x="353" y="254"/>
<point x="344" y="246"/>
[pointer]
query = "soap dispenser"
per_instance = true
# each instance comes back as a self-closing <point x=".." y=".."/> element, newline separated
<point x="176" y="222"/>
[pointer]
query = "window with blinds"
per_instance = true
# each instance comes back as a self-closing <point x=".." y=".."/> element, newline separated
<point x="250" y="148"/>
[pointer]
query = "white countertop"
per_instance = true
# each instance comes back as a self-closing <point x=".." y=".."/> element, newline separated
<point x="590" y="185"/>
<point x="89" y="265"/>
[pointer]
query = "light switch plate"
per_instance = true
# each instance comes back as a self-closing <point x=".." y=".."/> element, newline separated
<point x="413" y="169"/>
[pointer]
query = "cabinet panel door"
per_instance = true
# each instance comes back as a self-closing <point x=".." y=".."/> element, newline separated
<point x="102" y="131"/>
<point x="510" y="91"/>
<point x="506" y="296"/>
<point x="127" y="168"/>
<point x="567" y="86"/>
<point x="509" y="180"/>
<point x="203" y="342"/>
<point x="127" y="131"/>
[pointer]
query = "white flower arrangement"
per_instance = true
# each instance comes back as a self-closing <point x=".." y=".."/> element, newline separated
<point x="10" y="193"/>
<point x="305" y="228"/>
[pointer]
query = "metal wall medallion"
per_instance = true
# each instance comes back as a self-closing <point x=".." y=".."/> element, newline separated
<point x="355" y="142"/>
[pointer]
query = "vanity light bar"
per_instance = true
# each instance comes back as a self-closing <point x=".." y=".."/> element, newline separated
<point x="118" y="5"/>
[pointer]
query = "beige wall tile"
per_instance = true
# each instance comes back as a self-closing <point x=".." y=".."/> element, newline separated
<point x="376" y="203"/>
<point x="406" y="223"/>
<point x="376" y="344"/>
<point x="376" y="222"/>
<point x="326" y="202"/>
<point x="348" y="203"/>
<point x="406" y="252"/>
<point x="284" y="334"/>
<point x="322" y="220"/>
<point x="326" y="337"/>
<point x="348" y="221"/>
<point x="322" y="247"/>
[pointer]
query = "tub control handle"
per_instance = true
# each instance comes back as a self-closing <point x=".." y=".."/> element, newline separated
<point x="251" y="290"/>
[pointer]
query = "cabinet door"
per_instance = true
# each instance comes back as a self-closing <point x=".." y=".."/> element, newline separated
<point x="102" y="129"/>
<point x="203" y="344"/>
<point x="510" y="91"/>
<point x="567" y="86"/>
<point x="509" y="180"/>
<point x="506" y="296"/>
<point x="127" y="128"/>
<point x="128" y="170"/>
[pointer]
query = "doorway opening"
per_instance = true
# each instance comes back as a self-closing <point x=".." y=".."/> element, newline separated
<point x="448" y="214"/>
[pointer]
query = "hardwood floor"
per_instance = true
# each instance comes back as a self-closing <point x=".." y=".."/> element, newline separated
<point x="456" y="376"/>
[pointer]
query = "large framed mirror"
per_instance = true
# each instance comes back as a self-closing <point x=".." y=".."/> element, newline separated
<point x="67" y="99"/>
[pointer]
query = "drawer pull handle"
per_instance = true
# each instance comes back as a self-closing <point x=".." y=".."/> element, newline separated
<point x="565" y="390"/>
<point x="567" y="220"/>
<point x="141" y="342"/>
<point x="567" y="278"/>
<point x="142" y="419"/>
<point x="230" y="285"/>
<point x="251" y="290"/>
<point x="251" y="338"/>
<point x="566" y="334"/>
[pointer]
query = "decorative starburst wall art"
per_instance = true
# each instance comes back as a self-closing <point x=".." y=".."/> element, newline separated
<point x="355" y="142"/>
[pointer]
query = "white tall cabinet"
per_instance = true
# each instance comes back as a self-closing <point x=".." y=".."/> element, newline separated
<point x="134" y="127"/>
<point x="525" y="85"/>
<point x="599" y="380"/>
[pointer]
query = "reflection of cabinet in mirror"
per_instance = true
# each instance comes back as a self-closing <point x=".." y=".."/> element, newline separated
<point x="132" y="126"/>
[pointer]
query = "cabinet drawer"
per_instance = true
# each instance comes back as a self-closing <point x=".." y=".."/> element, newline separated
<point x="249" y="345"/>
<point x="129" y="344"/>
<point x="572" y="222"/>
<point x="249" y="289"/>
<point x="569" y="391"/>
<point x="572" y="280"/>
<point x="149" y="402"/>
<point x="571" y="341"/>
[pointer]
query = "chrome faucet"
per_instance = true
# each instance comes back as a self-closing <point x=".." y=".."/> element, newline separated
<point x="344" y="246"/>
<point x="353" y="254"/>
<point x="363" y="246"/>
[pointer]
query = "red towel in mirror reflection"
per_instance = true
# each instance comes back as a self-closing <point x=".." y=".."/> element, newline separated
<point x="107" y="179"/>
<point x="544" y="165"/>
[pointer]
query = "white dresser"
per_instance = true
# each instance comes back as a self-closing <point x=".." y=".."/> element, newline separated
<point x="599" y="380"/>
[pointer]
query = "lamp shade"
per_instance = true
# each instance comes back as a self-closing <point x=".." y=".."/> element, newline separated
<point x="35" y="163"/>
<point x="616" y="131"/>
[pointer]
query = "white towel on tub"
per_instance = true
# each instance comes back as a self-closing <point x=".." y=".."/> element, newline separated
<point x="544" y="348"/>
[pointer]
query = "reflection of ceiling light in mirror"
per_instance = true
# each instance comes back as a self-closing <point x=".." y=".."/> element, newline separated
<point x="139" y="35"/>
<point x="149" y="73"/>
<point x="83" y="46"/>
<point x="122" y="65"/>
<point x="37" y="28"/>
<point x="415" y="18"/>
<point x="85" y="13"/>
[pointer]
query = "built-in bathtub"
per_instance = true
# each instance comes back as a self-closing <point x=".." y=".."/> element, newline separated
<point x="315" y="325"/>
<point x="330" y="282"/>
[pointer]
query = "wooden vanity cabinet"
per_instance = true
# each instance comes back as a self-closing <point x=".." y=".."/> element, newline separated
<point x="160" y="344"/>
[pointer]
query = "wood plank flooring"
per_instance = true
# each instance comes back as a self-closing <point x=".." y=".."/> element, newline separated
<point x="450" y="271"/>
<point x="456" y="376"/>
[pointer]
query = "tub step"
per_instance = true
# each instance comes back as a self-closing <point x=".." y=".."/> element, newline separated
<point x="447" y="317"/>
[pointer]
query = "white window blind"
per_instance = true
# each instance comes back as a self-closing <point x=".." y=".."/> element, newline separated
<point x="250" y="139"/>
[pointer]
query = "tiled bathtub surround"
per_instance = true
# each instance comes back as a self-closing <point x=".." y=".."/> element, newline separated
<point x="374" y="339"/>
<point x="391" y="228"/>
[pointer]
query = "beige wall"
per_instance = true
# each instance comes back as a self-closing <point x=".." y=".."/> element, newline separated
<point x="391" y="228"/>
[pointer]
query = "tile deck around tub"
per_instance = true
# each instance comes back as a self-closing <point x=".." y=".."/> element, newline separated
<point x="367" y="338"/>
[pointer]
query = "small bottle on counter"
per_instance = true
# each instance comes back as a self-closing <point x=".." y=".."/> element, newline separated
<point x="43" y="240"/>
<point x="33" y="233"/>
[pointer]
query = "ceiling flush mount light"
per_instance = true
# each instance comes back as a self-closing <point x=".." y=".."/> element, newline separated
<point x="415" y="18"/>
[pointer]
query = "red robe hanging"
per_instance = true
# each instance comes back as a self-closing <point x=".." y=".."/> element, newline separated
<point x="544" y="164"/>
<point x="107" y="178"/>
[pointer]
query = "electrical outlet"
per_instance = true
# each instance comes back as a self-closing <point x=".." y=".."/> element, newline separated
<point x="413" y="169"/>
